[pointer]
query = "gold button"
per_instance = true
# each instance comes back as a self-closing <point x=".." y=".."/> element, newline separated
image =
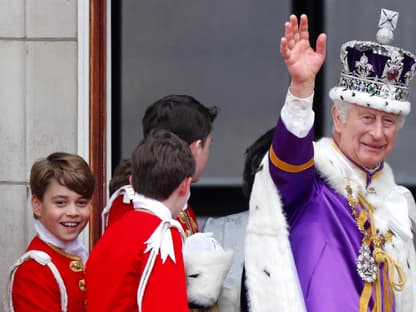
<point x="82" y="285"/>
<point x="75" y="266"/>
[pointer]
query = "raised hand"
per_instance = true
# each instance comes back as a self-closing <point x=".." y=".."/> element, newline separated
<point x="303" y="62"/>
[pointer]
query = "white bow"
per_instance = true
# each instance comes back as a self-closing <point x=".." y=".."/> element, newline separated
<point x="162" y="236"/>
<point x="160" y="239"/>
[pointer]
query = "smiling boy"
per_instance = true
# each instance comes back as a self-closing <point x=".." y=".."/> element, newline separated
<point x="50" y="275"/>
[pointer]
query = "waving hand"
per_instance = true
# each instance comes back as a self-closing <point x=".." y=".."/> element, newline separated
<point x="303" y="62"/>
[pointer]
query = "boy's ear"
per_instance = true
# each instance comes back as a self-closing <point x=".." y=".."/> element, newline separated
<point x="131" y="180"/>
<point x="184" y="186"/>
<point x="36" y="206"/>
<point x="196" y="147"/>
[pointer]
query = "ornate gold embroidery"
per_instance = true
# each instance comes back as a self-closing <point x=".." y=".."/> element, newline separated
<point x="191" y="226"/>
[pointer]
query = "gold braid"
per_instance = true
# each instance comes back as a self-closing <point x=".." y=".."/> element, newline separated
<point x="371" y="237"/>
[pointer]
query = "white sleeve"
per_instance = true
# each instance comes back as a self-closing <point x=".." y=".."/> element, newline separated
<point x="297" y="114"/>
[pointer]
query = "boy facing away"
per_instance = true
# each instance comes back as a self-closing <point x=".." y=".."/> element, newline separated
<point x="191" y="121"/>
<point x="50" y="275"/>
<point x="138" y="265"/>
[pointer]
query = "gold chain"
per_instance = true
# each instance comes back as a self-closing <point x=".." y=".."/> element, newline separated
<point x="374" y="278"/>
<point x="361" y="218"/>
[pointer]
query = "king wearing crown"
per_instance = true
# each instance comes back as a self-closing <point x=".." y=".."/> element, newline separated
<point x="329" y="228"/>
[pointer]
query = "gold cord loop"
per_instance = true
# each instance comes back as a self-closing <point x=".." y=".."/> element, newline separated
<point x="392" y="266"/>
<point x="385" y="278"/>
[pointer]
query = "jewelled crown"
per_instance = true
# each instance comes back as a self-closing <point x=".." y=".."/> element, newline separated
<point x="376" y="74"/>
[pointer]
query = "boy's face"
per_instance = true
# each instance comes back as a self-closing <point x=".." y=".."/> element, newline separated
<point x="63" y="212"/>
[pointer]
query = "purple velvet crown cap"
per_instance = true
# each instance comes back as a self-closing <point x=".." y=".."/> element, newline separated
<point x="376" y="74"/>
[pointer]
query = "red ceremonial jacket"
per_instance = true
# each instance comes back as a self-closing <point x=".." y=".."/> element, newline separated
<point x="35" y="288"/>
<point x="116" y="263"/>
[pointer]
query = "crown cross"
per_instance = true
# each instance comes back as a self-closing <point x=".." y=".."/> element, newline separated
<point x="387" y="23"/>
<point x="388" y="19"/>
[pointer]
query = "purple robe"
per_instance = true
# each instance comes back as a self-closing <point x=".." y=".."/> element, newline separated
<point x="324" y="236"/>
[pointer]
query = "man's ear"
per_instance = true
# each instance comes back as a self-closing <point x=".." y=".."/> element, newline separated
<point x="196" y="147"/>
<point x="131" y="180"/>
<point x="36" y="206"/>
<point x="184" y="186"/>
<point x="336" y="117"/>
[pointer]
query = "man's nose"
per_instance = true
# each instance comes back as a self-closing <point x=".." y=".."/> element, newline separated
<point x="377" y="128"/>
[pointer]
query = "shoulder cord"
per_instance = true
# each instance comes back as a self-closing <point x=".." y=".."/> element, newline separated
<point x="42" y="258"/>
<point x="159" y="235"/>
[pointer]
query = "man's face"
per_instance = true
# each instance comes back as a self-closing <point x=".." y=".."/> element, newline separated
<point x="367" y="136"/>
<point x="63" y="212"/>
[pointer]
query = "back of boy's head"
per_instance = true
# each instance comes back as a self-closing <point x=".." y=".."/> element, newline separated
<point x="160" y="162"/>
<point x="69" y="170"/>
<point x="121" y="176"/>
<point x="181" y="114"/>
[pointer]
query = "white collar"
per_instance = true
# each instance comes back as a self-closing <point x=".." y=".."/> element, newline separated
<point x="153" y="205"/>
<point x="75" y="247"/>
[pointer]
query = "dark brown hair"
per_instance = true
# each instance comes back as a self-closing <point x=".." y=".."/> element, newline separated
<point x="69" y="170"/>
<point x="160" y="162"/>
<point x="183" y="115"/>
<point x="120" y="176"/>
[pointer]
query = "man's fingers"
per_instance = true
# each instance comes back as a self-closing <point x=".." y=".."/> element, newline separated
<point x="294" y="23"/>
<point x="321" y="45"/>
<point x="283" y="48"/>
<point x="304" y="28"/>
<point x="289" y="34"/>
